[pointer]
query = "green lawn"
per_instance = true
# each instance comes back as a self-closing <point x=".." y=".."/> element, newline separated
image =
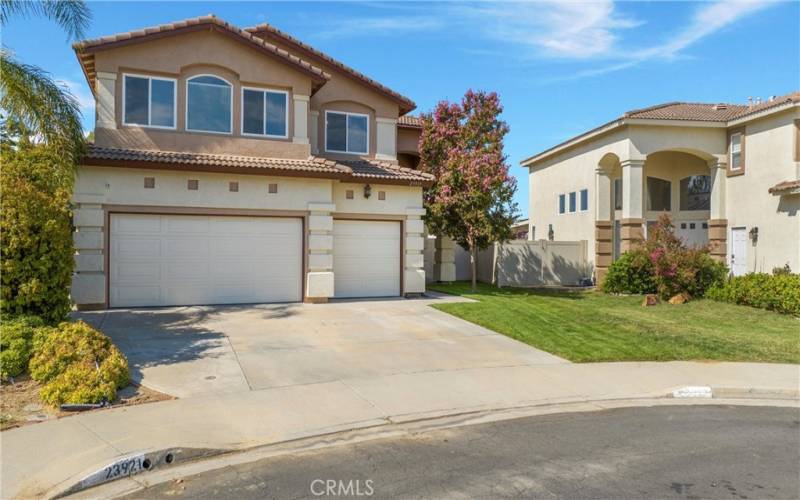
<point x="591" y="326"/>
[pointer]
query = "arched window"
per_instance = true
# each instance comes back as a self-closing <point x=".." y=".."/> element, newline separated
<point x="209" y="101"/>
<point x="696" y="192"/>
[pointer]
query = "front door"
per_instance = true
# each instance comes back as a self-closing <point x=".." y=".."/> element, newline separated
<point x="739" y="251"/>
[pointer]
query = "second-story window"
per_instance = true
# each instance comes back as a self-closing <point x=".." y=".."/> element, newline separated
<point x="736" y="151"/>
<point x="209" y="103"/>
<point x="346" y="132"/>
<point x="148" y="101"/>
<point x="265" y="112"/>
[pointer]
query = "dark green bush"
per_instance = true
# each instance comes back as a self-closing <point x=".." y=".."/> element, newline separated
<point x="775" y="292"/>
<point x="77" y="364"/>
<point x="631" y="273"/>
<point x="36" y="251"/>
<point x="16" y="343"/>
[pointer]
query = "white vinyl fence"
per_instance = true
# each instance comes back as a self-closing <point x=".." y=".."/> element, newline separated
<point x="523" y="263"/>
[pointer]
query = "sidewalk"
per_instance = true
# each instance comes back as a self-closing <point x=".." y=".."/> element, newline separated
<point x="52" y="456"/>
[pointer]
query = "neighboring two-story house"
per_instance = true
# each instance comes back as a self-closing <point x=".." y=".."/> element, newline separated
<point x="241" y="166"/>
<point x="729" y="176"/>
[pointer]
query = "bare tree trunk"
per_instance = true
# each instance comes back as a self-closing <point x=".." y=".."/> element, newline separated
<point x="473" y="262"/>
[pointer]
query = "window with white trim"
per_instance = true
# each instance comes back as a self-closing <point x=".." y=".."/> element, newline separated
<point x="573" y="205"/>
<point x="148" y="101"/>
<point x="736" y="151"/>
<point x="346" y="132"/>
<point x="584" y="200"/>
<point x="265" y="112"/>
<point x="562" y="203"/>
<point x="209" y="103"/>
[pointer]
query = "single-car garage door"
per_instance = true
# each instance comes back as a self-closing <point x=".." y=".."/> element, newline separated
<point x="366" y="258"/>
<point x="168" y="260"/>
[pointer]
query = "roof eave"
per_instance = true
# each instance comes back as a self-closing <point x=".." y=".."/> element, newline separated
<point x="766" y="112"/>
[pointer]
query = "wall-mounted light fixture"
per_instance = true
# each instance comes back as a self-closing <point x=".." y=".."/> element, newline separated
<point x="754" y="235"/>
<point x="550" y="233"/>
<point x="367" y="191"/>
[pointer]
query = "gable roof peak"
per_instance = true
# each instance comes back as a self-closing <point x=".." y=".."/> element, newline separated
<point x="86" y="49"/>
<point x="406" y="104"/>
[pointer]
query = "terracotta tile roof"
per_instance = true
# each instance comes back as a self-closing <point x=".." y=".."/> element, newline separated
<point x="718" y="113"/>
<point x="786" y="187"/>
<point x="266" y="31"/>
<point x="353" y="170"/>
<point x="707" y="112"/>
<point x="86" y="48"/>
<point x="409" y="121"/>
<point x="381" y="170"/>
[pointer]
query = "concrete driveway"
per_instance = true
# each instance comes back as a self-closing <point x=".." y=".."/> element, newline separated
<point x="201" y="350"/>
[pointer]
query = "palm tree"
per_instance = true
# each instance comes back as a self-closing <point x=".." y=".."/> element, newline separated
<point x="29" y="98"/>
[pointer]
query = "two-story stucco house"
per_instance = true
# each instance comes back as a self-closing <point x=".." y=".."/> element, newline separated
<point x="241" y="166"/>
<point x="729" y="176"/>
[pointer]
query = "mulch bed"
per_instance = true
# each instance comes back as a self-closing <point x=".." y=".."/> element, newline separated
<point x="20" y="404"/>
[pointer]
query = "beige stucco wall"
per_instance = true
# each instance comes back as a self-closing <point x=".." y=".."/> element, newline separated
<point x="769" y="159"/>
<point x="408" y="140"/>
<point x="187" y="55"/>
<point x="572" y="171"/>
<point x="102" y="189"/>
<point x="769" y="151"/>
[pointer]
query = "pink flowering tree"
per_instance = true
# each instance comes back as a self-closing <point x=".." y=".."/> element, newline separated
<point x="471" y="200"/>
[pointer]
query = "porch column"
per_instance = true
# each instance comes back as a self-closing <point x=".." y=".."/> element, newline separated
<point x="300" y="133"/>
<point x="717" y="223"/>
<point x="631" y="225"/>
<point x="319" y="279"/>
<point x="444" y="260"/>
<point x="603" y="234"/>
<point x="414" y="245"/>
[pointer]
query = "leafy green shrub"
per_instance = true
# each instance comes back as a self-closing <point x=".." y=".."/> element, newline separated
<point x="36" y="250"/>
<point x="775" y="292"/>
<point x="81" y="383"/>
<point x="16" y="340"/>
<point x="631" y="273"/>
<point x="77" y="364"/>
<point x="785" y="269"/>
<point x="662" y="264"/>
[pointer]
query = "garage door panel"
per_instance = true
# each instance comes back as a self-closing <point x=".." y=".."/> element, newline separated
<point x="188" y="260"/>
<point x="366" y="258"/>
<point x="196" y="225"/>
<point x="133" y="247"/>
<point x="137" y="224"/>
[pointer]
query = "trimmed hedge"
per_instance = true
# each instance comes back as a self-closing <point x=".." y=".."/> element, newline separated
<point x="774" y="292"/>
<point x="631" y="273"/>
<point x="77" y="364"/>
<point x="16" y="344"/>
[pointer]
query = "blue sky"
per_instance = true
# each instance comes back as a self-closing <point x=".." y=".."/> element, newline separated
<point x="560" y="68"/>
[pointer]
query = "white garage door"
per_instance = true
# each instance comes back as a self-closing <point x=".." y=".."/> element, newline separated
<point x="366" y="258"/>
<point x="168" y="260"/>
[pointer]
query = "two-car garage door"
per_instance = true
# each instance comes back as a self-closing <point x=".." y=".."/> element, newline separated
<point x="167" y="260"/>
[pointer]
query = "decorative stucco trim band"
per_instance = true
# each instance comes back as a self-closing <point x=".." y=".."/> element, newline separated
<point x="631" y="232"/>
<point x="603" y="249"/>
<point x="718" y="238"/>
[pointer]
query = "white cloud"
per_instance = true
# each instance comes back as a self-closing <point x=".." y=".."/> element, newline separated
<point x="555" y="29"/>
<point x="378" y="26"/>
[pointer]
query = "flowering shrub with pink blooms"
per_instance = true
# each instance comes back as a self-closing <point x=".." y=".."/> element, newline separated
<point x="662" y="264"/>
<point x="471" y="200"/>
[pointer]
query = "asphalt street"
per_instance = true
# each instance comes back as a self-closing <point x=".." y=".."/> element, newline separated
<point x="668" y="452"/>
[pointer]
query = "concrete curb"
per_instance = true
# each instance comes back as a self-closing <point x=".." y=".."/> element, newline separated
<point x="197" y="461"/>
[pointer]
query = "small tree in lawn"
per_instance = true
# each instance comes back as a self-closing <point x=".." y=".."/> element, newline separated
<point x="471" y="199"/>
